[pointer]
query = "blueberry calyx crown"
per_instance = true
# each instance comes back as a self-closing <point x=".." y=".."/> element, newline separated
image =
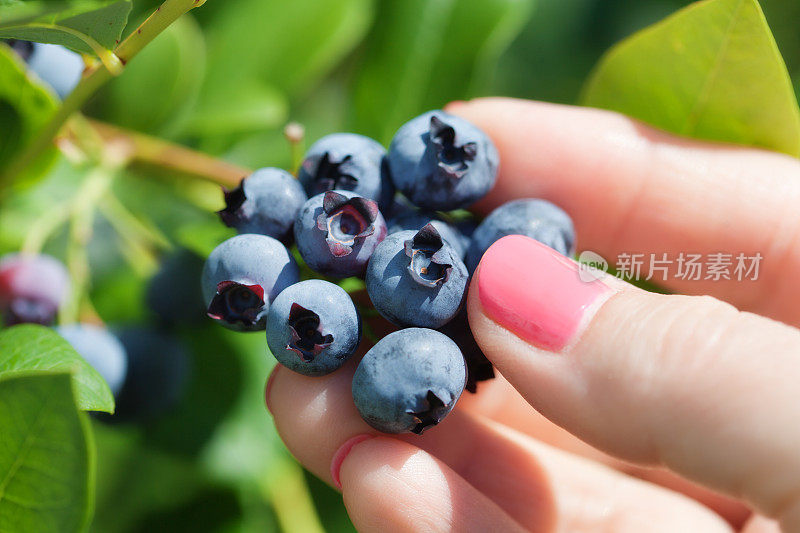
<point x="237" y="302"/>
<point x="330" y="175"/>
<point x="430" y="261"/>
<point x="430" y="415"/>
<point x="346" y="221"/>
<point x="234" y="198"/>
<point x="452" y="159"/>
<point x="307" y="337"/>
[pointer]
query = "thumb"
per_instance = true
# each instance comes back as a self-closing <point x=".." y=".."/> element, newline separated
<point x="687" y="382"/>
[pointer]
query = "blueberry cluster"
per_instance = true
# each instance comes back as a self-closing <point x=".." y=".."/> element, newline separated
<point x="145" y="368"/>
<point x="386" y="217"/>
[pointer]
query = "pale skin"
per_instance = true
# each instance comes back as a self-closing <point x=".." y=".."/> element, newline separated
<point x="668" y="413"/>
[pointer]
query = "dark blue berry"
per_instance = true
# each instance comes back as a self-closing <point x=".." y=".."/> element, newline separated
<point x="337" y="231"/>
<point x="442" y="162"/>
<point x="409" y="381"/>
<point x="242" y="276"/>
<point x="313" y="327"/>
<point x="347" y="162"/>
<point x="265" y="202"/>
<point x="32" y="288"/>
<point x="416" y="279"/>
<point x="158" y="370"/>
<point x="172" y="291"/>
<point x="416" y="220"/>
<point x="535" y="218"/>
<point x="101" y="349"/>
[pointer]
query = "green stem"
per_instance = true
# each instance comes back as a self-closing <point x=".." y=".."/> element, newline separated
<point x="95" y="77"/>
<point x="126" y="223"/>
<point x="287" y="490"/>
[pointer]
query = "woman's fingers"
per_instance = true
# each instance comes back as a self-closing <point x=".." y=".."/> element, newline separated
<point x="538" y="487"/>
<point x="500" y="402"/>
<point x="687" y="382"/>
<point x="634" y="190"/>
<point x="390" y="485"/>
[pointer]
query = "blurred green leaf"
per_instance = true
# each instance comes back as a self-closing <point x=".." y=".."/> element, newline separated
<point x="428" y="53"/>
<point x="25" y="106"/>
<point x="47" y="456"/>
<point x="262" y="50"/>
<point x="710" y="71"/>
<point x="30" y="348"/>
<point x="100" y="21"/>
<point x="155" y="92"/>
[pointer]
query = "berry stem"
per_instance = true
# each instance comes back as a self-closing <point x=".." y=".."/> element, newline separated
<point x="285" y="488"/>
<point x="95" y="77"/>
<point x="173" y="157"/>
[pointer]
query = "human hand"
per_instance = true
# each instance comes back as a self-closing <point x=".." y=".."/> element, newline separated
<point x="684" y="382"/>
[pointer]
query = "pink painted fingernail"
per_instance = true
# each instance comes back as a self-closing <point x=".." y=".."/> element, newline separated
<point x="341" y="455"/>
<point x="535" y="292"/>
<point x="268" y="387"/>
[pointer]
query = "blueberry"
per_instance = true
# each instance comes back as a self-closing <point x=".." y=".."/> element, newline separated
<point x="265" y="202"/>
<point x="158" y="370"/>
<point x="337" y="231"/>
<point x="347" y="162"/>
<point x="242" y="276"/>
<point x="409" y="381"/>
<point x="172" y="294"/>
<point x="538" y="219"/>
<point x="416" y="220"/>
<point x="479" y="368"/>
<point x="32" y="288"/>
<point x="442" y="162"/>
<point x="101" y="349"/>
<point x="56" y="65"/>
<point x="313" y="327"/>
<point x="416" y="279"/>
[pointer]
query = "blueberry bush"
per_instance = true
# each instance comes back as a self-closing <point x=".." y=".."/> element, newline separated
<point x="119" y="121"/>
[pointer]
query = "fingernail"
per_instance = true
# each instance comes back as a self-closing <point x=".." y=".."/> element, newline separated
<point x="268" y="387"/>
<point x="535" y="292"/>
<point x="342" y="453"/>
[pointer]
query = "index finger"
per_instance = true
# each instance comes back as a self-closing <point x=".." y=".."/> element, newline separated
<point x="633" y="189"/>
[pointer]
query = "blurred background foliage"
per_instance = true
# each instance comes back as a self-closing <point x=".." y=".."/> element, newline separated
<point x="225" y="80"/>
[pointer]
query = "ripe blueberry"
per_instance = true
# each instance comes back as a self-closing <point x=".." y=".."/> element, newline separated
<point x="172" y="294"/>
<point x="442" y="162"/>
<point x="158" y="370"/>
<point x="409" y="381"/>
<point x="337" y="231"/>
<point x="416" y="279"/>
<point x="347" y="162"/>
<point x="32" y="288"/>
<point x="313" y="327"/>
<point x="538" y="219"/>
<point x="56" y="65"/>
<point x="242" y="276"/>
<point x="101" y="349"/>
<point x="265" y="202"/>
<point x="416" y="220"/>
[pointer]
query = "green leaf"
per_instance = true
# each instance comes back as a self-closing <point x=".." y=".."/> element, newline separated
<point x="277" y="48"/>
<point x="25" y="106"/>
<point x="47" y="456"/>
<point x="710" y="71"/>
<point x="102" y="22"/>
<point x="30" y="348"/>
<point x="429" y="52"/>
<point x="156" y="90"/>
